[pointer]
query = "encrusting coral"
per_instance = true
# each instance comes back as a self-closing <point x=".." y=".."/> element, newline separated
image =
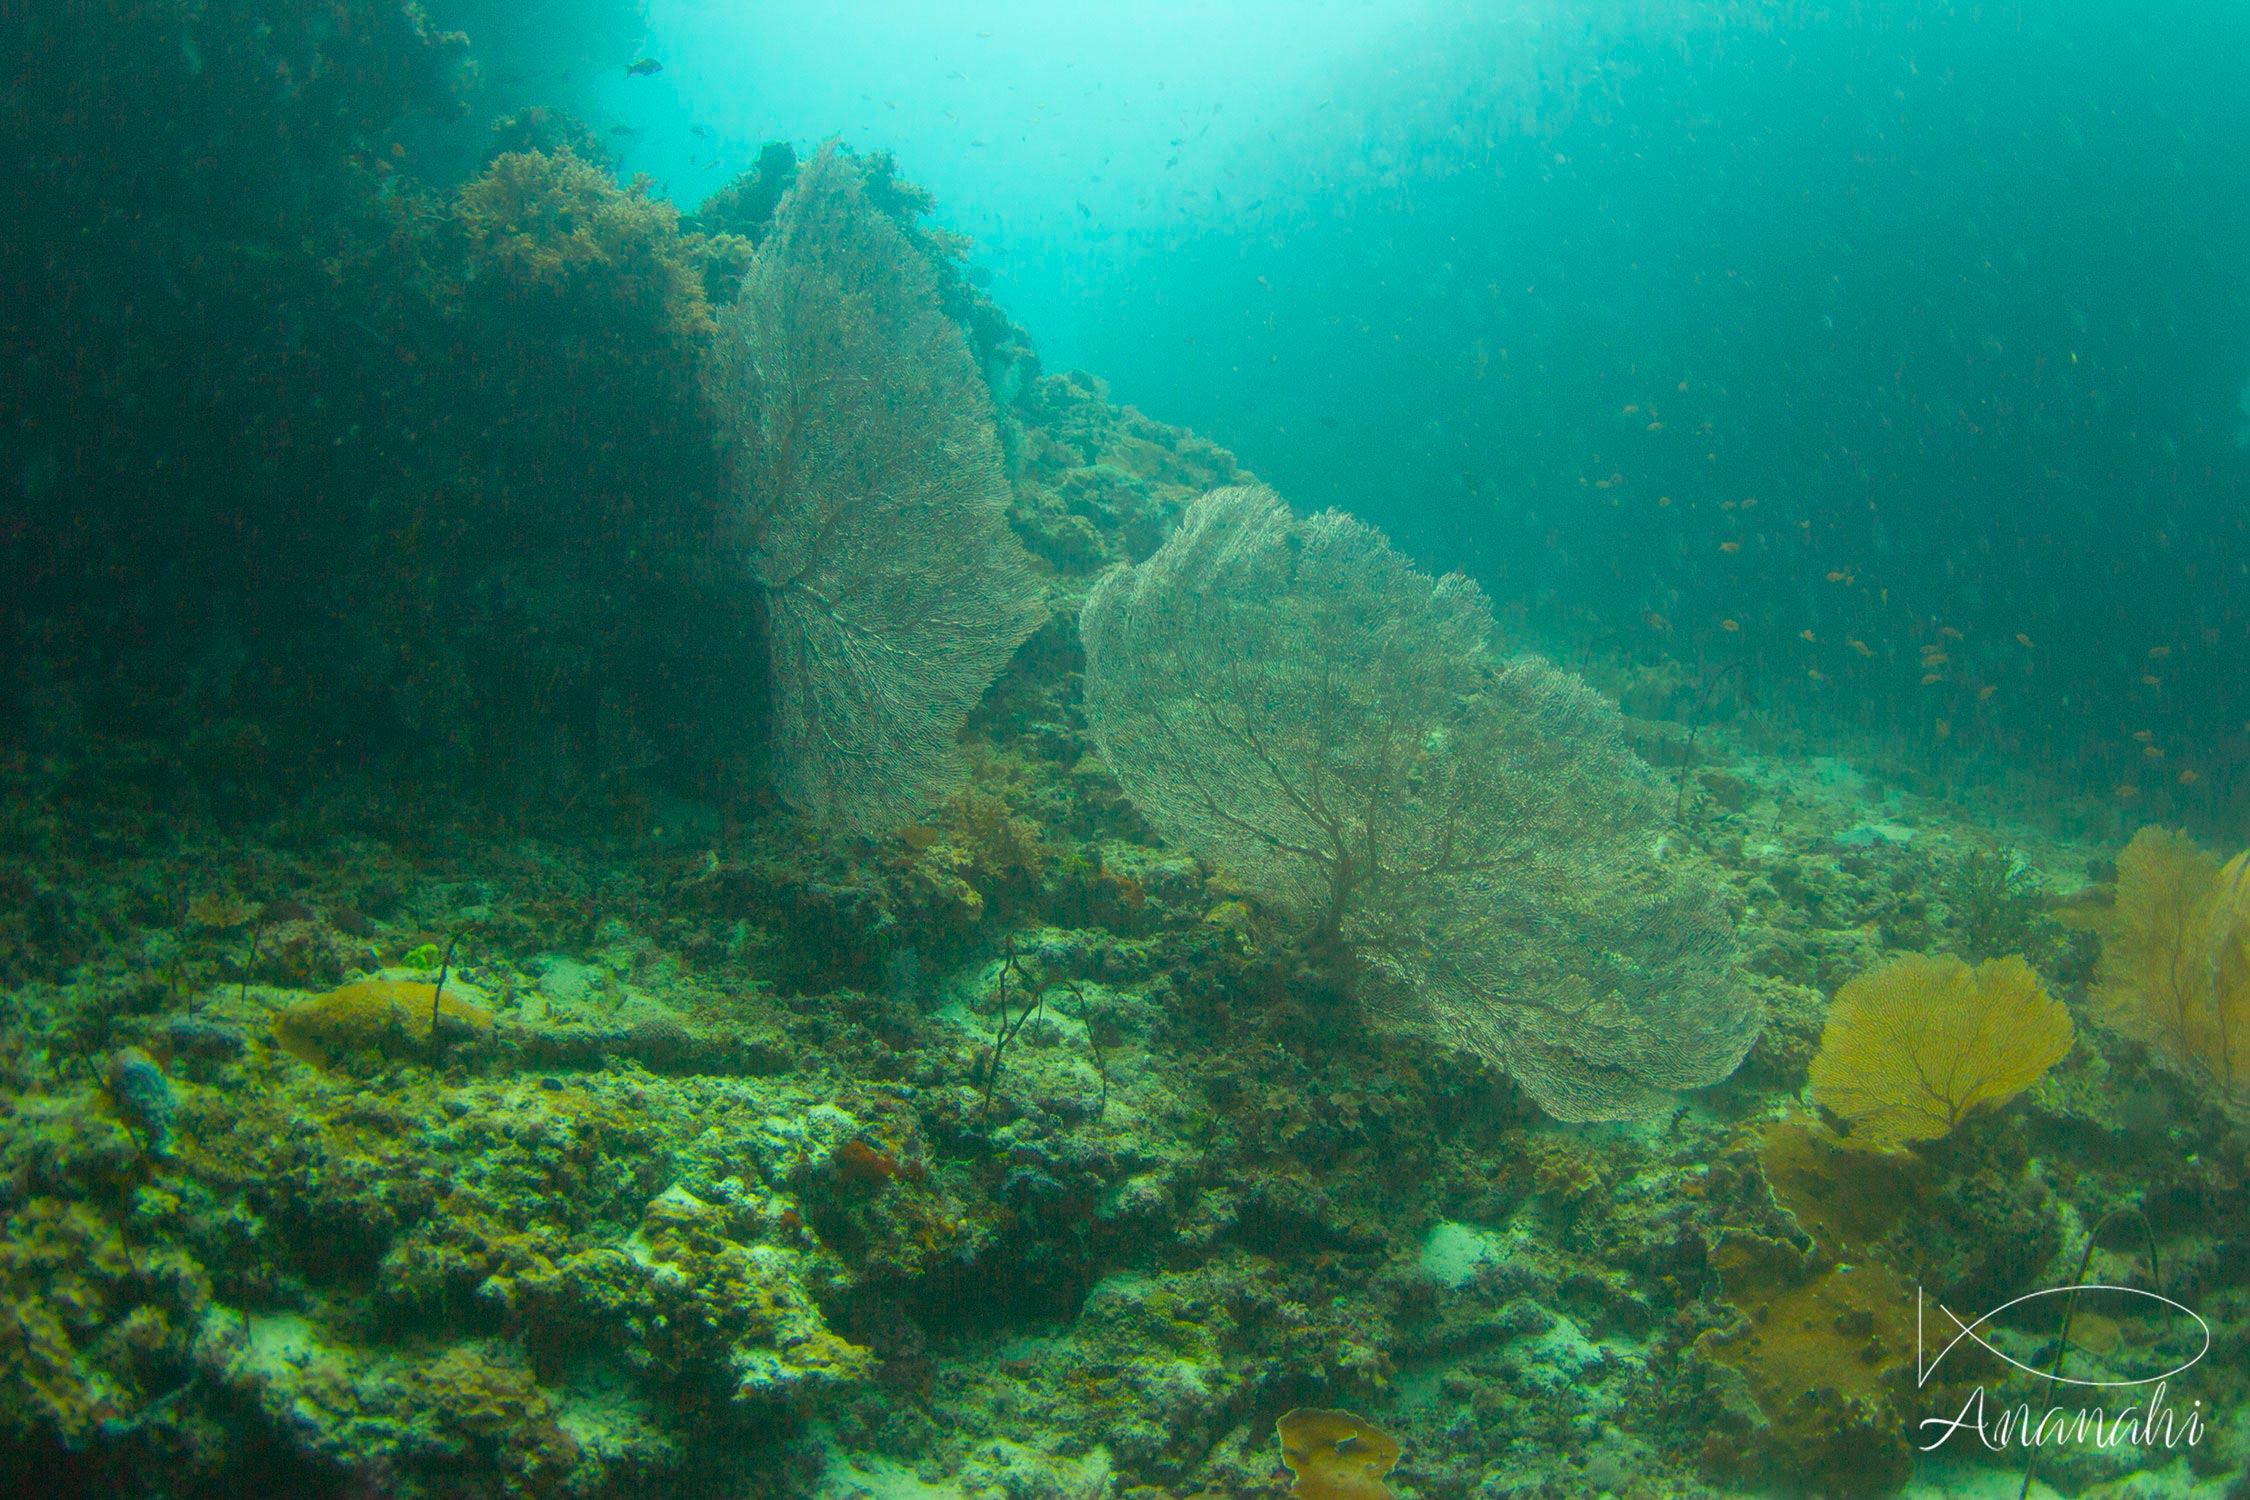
<point x="1335" y="1455"/>
<point x="1825" y="1341"/>
<point x="1912" y="1047"/>
<point x="377" y="1015"/>
<point x="2175" y="968"/>
<point x="1825" y="1348"/>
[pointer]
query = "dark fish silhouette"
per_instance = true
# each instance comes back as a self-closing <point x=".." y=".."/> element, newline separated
<point x="641" y="67"/>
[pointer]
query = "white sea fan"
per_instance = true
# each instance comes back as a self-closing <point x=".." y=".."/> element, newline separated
<point x="875" y="505"/>
<point x="1468" y="835"/>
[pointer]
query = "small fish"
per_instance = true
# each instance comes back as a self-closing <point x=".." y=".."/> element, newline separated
<point x="1949" y="633"/>
<point x="1930" y="677"/>
<point x="1862" y="647"/>
<point x="1730" y="626"/>
<point x="703" y="131"/>
<point x="1815" y="674"/>
<point x="2189" y="778"/>
<point x="1807" y="635"/>
<point x="1656" y="427"/>
<point x="1934" y="658"/>
<point x="2127" y="792"/>
<point x="1942" y="729"/>
<point x="642" y="67"/>
<point x="1750" y="502"/>
<point x="2158" y="653"/>
<point x="1838" y="575"/>
<point x="2144" y="735"/>
<point x="2023" y="640"/>
<point x="1730" y="546"/>
<point x="2150" y="680"/>
<point x="2153" y="752"/>
<point x="1984" y="694"/>
<point x="1655" y="621"/>
<point x="1662" y="501"/>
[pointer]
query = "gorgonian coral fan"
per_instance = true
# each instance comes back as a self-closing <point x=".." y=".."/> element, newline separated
<point x="1466" y="834"/>
<point x="1912" y="1047"/>
<point x="875" y="502"/>
<point x="2175" y="966"/>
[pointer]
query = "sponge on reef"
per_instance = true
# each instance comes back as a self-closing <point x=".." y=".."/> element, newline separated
<point x="385" y="1016"/>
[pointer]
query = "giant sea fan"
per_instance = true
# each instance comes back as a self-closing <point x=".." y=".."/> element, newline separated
<point x="875" y="504"/>
<point x="1467" y="834"/>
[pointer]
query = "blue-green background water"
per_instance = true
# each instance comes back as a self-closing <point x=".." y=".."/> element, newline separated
<point x="1959" y="295"/>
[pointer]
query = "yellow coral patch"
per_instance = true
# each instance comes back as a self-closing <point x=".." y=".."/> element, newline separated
<point x="1825" y="1354"/>
<point x="1910" y="1048"/>
<point x="482" y="1395"/>
<point x="64" y="1275"/>
<point x="1823" y="1343"/>
<point x="1843" y="1198"/>
<point x="374" y="1015"/>
<point x="1234" y="916"/>
<point x="1334" y="1455"/>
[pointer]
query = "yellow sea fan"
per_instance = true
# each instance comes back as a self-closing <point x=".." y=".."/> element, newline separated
<point x="2175" y="966"/>
<point x="1910" y="1048"/>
